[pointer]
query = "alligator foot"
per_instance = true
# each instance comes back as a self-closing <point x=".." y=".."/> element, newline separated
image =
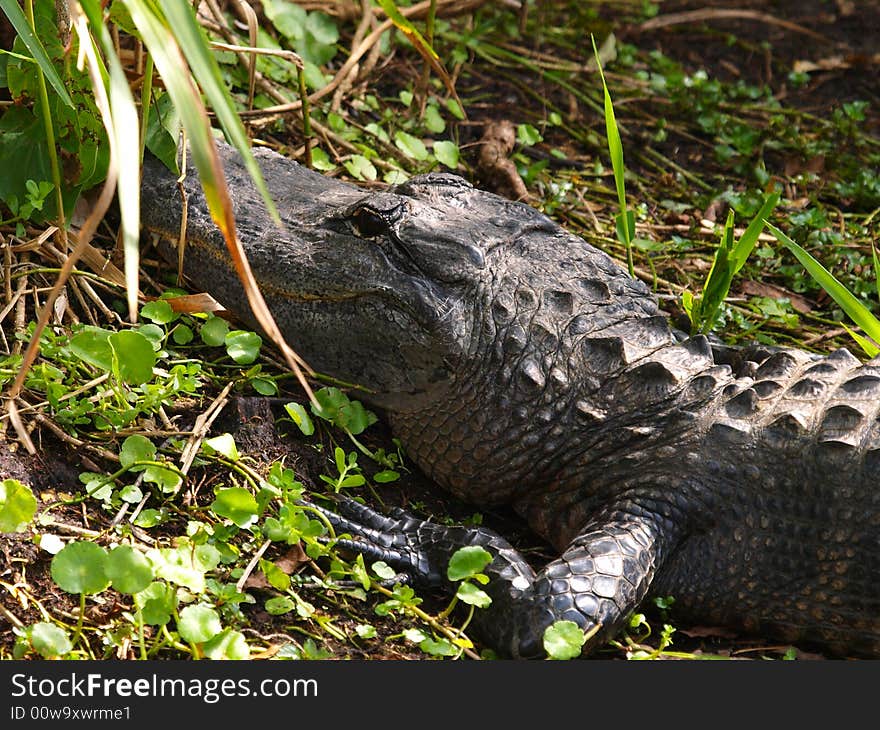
<point x="596" y="583"/>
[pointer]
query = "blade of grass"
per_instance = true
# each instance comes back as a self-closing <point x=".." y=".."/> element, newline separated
<point x="125" y="139"/>
<point x="49" y="128"/>
<point x="717" y="280"/>
<point x="170" y="63"/>
<point x="853" y="308"/>
<point x="418" y="41"/>
<point x="207" y="73"/>
<point x="16" y="16"/>
<point x="876" y="269"/>
<point x="749" y="238"/>
<point x="870" y="349"/>
<point x="626" y="220"/>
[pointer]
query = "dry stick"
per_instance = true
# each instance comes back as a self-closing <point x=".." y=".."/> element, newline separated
<point x="7" y="269"/>
<point x="359" y="33"/>
<point x="354" y="57"/>
<point x="251" y="565"/>
<point x="72" y="440"/>
<point x="250" y="17"/>
<point x="696" y="16"/>
<point x="200" y="428"/>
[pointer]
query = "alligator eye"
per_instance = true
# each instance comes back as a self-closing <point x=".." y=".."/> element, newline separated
<point x="369" y="223"/>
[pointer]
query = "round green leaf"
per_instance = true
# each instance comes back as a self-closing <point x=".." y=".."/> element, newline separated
<point x="361" y="168"/>
<point x="228" y="644"/>
<point x="564" y="640"/>
<point x="467" y="562"/>
<point x="213" y="331"/>
<point x="81" y="567"/>
<point x="49" y="640"/>
<point x="446" y="153"/>
<point x="469" y="593"/>
<point x="136" y="448"/>
<point x="182" y="335"/>
<point x="198" y="624"/>
<point x="134" y="356"/>
<point x="17" y="505"/>
<point x="129" y="571"/>
<point x="264" y="386"/>
<point x="224" y="444"/>
<point x="411" y="146"/>
<point x="157" y="602"/>
<point x="159" y="311"/>
<point x="438" y="647"/>
<point x="91" y="345"/>
<point x="242" y="346"/>
<point x="300" y="417"/>
<point x="279" y="605"/>
<point x="154" y="333"/>
<point x="236" y="504"/>
<point x="433" y="121"/>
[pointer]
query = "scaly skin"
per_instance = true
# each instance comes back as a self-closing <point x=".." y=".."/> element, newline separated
<point x="519" y="365"/>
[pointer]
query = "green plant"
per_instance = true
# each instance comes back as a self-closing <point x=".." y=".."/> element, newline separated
<point x="850" y="304"/>
<point x="625" y="219"/>
<point x="730" y="257"/>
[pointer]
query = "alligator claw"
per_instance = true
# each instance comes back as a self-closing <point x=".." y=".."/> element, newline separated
<point x="402" y="541"/>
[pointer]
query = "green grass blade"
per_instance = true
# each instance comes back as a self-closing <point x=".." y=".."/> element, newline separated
<point x="853" y="308"/>
<point x="749" y="238"/>
<point x="718" y="279"/>
<point x="615" y="149"/>
<point x="124" y="135"/>
<point x="16" y="16"/>
<point x="870" y="349"/>
<point x="169" y="61"/>
<point x="207" y="73"/>
<point x="876" y="268"/>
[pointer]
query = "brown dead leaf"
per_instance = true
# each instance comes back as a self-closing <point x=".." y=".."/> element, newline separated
<point x="763" y="289"/>
<point x="796" y="165"/>
<point x="292" y="559"/>
<point x="190" y="303"/>
<point x="257" y="580"/>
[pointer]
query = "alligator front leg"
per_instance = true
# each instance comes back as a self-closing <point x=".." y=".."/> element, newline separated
<point x="597" y="582"/>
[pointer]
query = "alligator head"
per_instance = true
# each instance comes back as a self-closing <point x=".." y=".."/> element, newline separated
<point x="499" y="345"/>
<point x="402" y="290"/>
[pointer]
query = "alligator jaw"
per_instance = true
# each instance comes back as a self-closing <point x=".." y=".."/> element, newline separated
<point x="320" y="277"/>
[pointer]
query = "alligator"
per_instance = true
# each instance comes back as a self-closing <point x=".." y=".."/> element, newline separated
<point x="520" y="366"/>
